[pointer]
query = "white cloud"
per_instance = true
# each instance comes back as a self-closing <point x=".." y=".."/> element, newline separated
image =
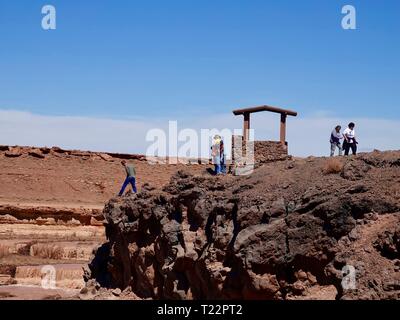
<point x="22" y="128"/>
<point x="306" y="135"/>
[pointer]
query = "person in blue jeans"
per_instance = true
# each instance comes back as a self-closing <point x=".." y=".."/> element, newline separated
<point x="222" y="156"/>
<point x="216" y="154"/>
<point x="130" y="177"/>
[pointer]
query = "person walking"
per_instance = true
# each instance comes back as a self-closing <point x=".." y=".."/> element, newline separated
<point x="336" y="136"/>
<point x="130" y="177"/>
<point x="350" y="141"/>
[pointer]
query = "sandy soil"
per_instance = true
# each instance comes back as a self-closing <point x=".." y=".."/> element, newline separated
<point x="51" y="204"/>
<point x="62" y="180"/>
<point x="23" y="292"/>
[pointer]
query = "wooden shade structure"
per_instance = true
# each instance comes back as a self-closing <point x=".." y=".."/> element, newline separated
<point x="246" y="117"/>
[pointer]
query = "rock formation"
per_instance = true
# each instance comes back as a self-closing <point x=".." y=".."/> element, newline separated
<point x="288" y="231"/>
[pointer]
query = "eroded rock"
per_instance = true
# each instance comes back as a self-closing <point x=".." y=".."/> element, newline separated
<point x="211" y="238"/>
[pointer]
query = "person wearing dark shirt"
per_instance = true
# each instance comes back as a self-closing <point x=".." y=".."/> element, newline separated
<point x="130" y="177"/>
<point x="222" y="155"/>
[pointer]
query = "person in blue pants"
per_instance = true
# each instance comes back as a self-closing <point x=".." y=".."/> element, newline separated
<point x="222" y="156"/>
<point x="130" y="177"/>
<point x="216" y="154"/>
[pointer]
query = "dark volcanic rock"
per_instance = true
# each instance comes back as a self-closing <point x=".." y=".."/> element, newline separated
<point x="255" y="237"/>
<point x="388" y="244"/>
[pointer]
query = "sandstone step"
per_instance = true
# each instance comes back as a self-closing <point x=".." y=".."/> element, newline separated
<point x="68" y="276"/>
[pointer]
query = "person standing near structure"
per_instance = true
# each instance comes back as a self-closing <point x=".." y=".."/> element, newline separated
<point x="216" y="154"/>
<point x="130" y="177"/>
<point x="222" y="155"/>
<point x="336" y="136"/>
<point x="350" y="141"/>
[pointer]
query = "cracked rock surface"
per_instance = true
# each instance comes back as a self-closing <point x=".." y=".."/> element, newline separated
<point x="287" y="231"/>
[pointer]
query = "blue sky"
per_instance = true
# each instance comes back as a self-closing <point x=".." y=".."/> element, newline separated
<point x="158" y="59"/>
<point x="171" y="58"/>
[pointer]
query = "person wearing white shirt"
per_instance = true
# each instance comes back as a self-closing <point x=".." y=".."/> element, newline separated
<point x="350" y="141"/>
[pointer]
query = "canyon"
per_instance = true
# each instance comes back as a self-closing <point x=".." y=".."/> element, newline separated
<point x="298" y="229"/>
<point x="295" y="229"/>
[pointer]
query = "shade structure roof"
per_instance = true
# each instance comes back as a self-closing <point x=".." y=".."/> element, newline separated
<point x="264" y="108"/>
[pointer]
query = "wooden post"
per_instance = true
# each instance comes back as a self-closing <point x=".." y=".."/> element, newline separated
<point x="283" y="128"/>
<point x="246" y="126"/>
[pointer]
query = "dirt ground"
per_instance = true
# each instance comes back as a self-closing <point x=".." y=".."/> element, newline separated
<point x="73" y="180"/>
<point x="51" y="203"/>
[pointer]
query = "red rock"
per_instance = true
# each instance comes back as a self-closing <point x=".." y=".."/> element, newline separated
<point x="14" y="152"/>
<point x="36" y="153"/>
<point x="105" y="157"/>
